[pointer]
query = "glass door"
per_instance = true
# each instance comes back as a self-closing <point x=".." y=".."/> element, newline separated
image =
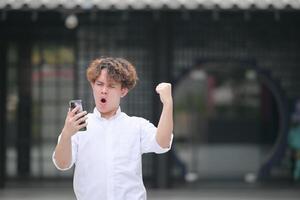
<point x="50" y="87"/>
<point x="226" y="122"/>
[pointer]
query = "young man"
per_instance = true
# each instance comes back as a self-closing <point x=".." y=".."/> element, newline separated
<point x="107" y="156"/>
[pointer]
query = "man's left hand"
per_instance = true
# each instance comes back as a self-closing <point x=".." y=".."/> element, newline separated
<point x="165" y="92"/>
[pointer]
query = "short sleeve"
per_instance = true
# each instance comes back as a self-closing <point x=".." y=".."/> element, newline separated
<point x="74" y="153"/>
<point x="148" y="138"/>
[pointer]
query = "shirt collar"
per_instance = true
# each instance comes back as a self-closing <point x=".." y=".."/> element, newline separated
<point x="98" y="114"/>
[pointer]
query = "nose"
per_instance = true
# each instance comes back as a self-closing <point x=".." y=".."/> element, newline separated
<point x="104" y="90"/>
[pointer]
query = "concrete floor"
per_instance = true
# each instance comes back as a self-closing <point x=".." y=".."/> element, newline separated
<point x="44" y="192"/>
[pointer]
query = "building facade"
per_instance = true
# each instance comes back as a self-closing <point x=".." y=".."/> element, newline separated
<point x="233" y="65"/>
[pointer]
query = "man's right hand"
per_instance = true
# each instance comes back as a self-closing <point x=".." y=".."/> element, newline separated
<point x="74" y="122"/>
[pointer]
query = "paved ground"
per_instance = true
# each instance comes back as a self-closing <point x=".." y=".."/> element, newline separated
<point x="44" y="192"/>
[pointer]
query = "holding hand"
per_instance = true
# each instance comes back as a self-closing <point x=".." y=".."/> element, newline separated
<point x="74" y="122"/>
<point x="165" y="92"/>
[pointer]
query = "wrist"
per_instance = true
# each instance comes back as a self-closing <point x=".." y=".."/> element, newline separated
<point x="65" y="135"/>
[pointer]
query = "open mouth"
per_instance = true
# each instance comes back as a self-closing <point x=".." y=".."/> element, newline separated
<point x="103" y="100"/>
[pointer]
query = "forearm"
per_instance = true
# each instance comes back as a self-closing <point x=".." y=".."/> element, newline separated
<point x="63" y="152"/>
<point x="165" y="125"/>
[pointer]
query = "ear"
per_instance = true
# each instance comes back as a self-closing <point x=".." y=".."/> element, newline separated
<point x="124" y="92"/>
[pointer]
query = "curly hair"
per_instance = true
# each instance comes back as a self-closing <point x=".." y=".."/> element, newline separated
<point x="118" y="69"/>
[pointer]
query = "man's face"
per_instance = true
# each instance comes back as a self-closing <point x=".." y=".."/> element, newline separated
<point x="107" y="94"/>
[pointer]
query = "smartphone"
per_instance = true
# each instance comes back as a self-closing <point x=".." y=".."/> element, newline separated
<point x="78" y="102"/>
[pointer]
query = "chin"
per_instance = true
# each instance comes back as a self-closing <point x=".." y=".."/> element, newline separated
<point x="104" y="109"/>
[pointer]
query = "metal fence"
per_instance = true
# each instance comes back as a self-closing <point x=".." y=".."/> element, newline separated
<point x="162" y="46"/>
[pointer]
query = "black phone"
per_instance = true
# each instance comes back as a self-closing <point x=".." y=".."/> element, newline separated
<point x="77" y="102"/>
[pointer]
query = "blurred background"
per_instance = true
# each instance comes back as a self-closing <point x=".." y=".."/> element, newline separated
<point x="234" y="66"/>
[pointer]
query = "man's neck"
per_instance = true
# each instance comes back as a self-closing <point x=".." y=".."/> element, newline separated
<point x="110" y="114"/>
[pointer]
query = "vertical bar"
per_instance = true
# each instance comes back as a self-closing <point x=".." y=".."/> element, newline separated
<point x="3" y="69"/>
<point x="57" y="84"/>
<point x="41" y="48"/>
<point x="76" y="68"/>
<point x="162" y="73"/>
<point x="24" y="109"/>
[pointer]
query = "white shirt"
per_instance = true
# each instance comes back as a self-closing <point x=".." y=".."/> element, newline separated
<point x="107" y="157"/>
